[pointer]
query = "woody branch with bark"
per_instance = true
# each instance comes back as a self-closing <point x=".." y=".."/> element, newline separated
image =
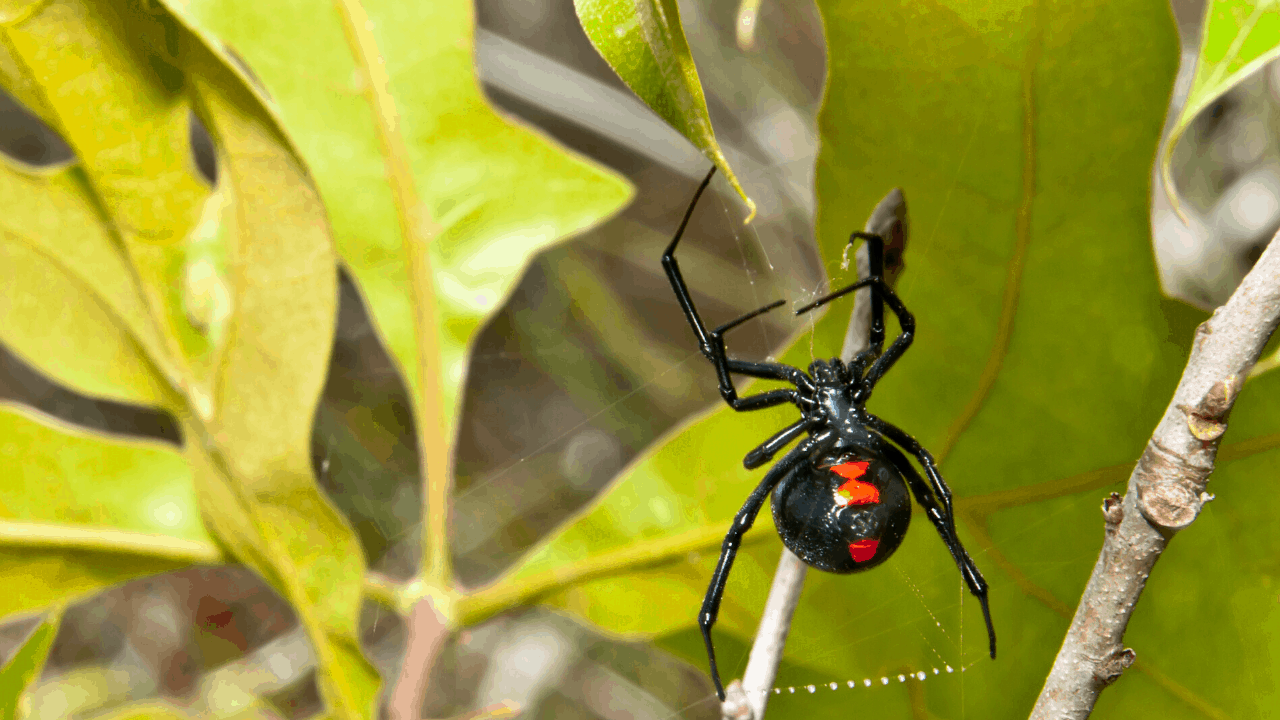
<point x="1166" y="491"/>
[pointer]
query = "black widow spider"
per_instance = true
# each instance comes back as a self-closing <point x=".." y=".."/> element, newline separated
<point x="839" y="497"/>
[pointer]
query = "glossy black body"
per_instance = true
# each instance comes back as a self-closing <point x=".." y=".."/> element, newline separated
<point x="819" y="529"/>
<point x="831" y="398"/>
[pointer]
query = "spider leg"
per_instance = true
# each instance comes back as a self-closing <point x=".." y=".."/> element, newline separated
<point x="875" y="266"/>
<point x="765" y="452"/>
<point x="905" y="319"/>
<point x="712" y="342"/>
<point x="936" y="501"/>
<point x="913" y="447"/>
<point x="773" y="371"/>
<point x="733" y="539"/>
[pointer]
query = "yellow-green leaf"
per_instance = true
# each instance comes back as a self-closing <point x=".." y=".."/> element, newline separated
<point x="21" y="670"/>
<point x="282" y="272"/>
<point x="229" y="296"/>
<point x="1238" y="38"/>
<point x="79" y="512"/>
<point x="109" y="83"/>
<point x="643" y="41"/>
<point x="437" y="203"/>
<point x="52" y="316"/>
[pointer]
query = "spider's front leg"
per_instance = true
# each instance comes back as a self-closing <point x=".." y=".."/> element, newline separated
<point x="875" y="266"/>
<point x="733" y="539"/>
<point x="712" y="342"/>
<point x="905" y="319"/>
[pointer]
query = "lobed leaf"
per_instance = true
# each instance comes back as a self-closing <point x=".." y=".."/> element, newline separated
<point x="426" y="187"/>
<point x="217" y="307"/>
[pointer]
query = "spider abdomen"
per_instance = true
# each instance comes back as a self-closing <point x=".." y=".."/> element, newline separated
<point x="842" y="512"/>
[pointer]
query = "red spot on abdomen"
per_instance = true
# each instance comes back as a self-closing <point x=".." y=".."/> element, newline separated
<point x="863" y="550"/>
<point x="855" y="491"/>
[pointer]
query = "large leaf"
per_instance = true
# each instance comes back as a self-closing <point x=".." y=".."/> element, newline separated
<point x="643" y="41"/>
<point x="437" y="203"/>
<point x="1238" y="38"/>
<point x="231" y="339"/>
<point x="1044" y="357"/>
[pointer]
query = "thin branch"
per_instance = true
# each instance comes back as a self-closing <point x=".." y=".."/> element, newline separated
<point x="427" y="631"/>
<point x="1166" y="492"/>
<point x="747" y="699"/>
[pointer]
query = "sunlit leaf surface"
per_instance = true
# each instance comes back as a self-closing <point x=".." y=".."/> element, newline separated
<point x="215" y="305"/>
<point x="80" y="512"/>
<point x="436" y="202"/>
<point x="643" y="41"/>
<point x="1238" y="38"/>
<point x="1022" y="135"/>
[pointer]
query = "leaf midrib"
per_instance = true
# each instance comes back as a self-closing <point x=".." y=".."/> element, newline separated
<point x="417" y="231"/>
<point x="44" y="535"/>
<point x="1017" y="263"/>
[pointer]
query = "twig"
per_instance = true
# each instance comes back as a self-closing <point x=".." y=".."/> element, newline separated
<point x="427" y="631"/>
<point x="746" y="699"/>
<point x="1166" y="492"/>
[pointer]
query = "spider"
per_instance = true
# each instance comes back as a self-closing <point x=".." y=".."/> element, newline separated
<point x="840" y="497"/>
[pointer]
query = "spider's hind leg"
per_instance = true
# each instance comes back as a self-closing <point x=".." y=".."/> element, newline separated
<point x="938" y="508"/>
<point x="733" y="539"/>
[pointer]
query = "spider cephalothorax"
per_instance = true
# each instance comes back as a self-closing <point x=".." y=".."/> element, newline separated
<point x="839" y="496"/>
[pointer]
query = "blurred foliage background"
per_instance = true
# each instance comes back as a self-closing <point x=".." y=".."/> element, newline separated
<point x="1025" y="137"/>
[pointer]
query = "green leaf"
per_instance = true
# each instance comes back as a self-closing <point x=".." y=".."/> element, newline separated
<point x="1238" y="38"/>
<point x="643" y="41"/>
<point x="228" y="297"/>
<point x="52" y="294"/>
<point x="80" y="512"/>
<point x="24" y="668"/>
<point x="427" y="188"/>
<point x="1044" y="356"/>
<point x="136" y="159"/>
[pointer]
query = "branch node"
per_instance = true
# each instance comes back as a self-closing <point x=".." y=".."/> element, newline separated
<point x="1207" y="420"/>
<point x="1218" y="401"/>
<point x="1169" y="488"/>
<point x="1113" y="511"/>
<point x="1110" y="669"/>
